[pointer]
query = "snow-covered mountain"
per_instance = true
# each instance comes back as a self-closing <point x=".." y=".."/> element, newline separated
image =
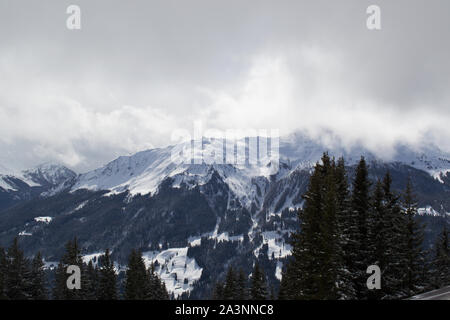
<point x="303" y="151"/>
<point x="139" y="173"/>
<point x="143" y="172"/>
<point x="45" y="179"/>
<point x="48" y="174"/>
<point x="44" y="175"/>
<point x="196" y="218"/>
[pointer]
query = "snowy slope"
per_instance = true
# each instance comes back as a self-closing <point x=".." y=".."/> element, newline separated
<point x="139" y="173"/>
<point x="6" y="184"/>
<point x="49" y="175"/>
<point x="143" y="172"/>
<point x="175" y="268"/>
<point x="428" y="158"/>
<point x="304" y="152"/>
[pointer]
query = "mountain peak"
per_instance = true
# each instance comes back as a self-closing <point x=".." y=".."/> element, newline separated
<point x="49" y="173"/>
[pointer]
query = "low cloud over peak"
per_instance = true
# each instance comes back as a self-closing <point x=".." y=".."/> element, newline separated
<point x="136" y="72"/>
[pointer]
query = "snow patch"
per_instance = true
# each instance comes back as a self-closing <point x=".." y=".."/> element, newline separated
<point x="5" y="184"/>
<point x="428" y="211"/>
<point x="277" y="248"/>
<point x="278" y="270"/>
<point x="439" y="174"/>
<point x="175" y="268"/>
<point x="46" y="220"/>
<point x="92" y="257"/>
<point x="79" y="207"/>
<point x="224" y="236"/>
<point x="50" y="264"/>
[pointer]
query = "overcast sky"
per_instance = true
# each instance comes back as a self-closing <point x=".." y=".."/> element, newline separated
<point x="137" y="70"/>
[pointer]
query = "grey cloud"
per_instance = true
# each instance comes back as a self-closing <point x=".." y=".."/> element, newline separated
<point x="139" y="69"/>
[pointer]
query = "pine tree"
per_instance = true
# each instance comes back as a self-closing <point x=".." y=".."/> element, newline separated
<point x="59" y="291"/>
<point x="359" y="236"/>
<point x="307" y="252"/>
<point x="288" y="290"/>
<point x="395" y="244"/>
<point x="137" y="280"/>
<point x="241" y="286"/>
<point x="230" y="285"/>
<point x="414" y="281"/>
<point x="3" y="270"/>
<point x="317" y="270"/>
<point x="440" y="273"/>
<point x="164" y="293"/>
<point x="107" y="280"/>
<point x="89" y="281"/>
<point x="72" y="256"/>
<point x="37" y="288"/>
<point x="272" y="295"/>
<point x="330" y="249"/>
<point x="17" y="274"/>
<point x="258" y="290"/>
<point x="345" y="229"/>
<point x="376" y="235"/>
<point x="218" y="291"/>
<point x="157" y="289"/>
